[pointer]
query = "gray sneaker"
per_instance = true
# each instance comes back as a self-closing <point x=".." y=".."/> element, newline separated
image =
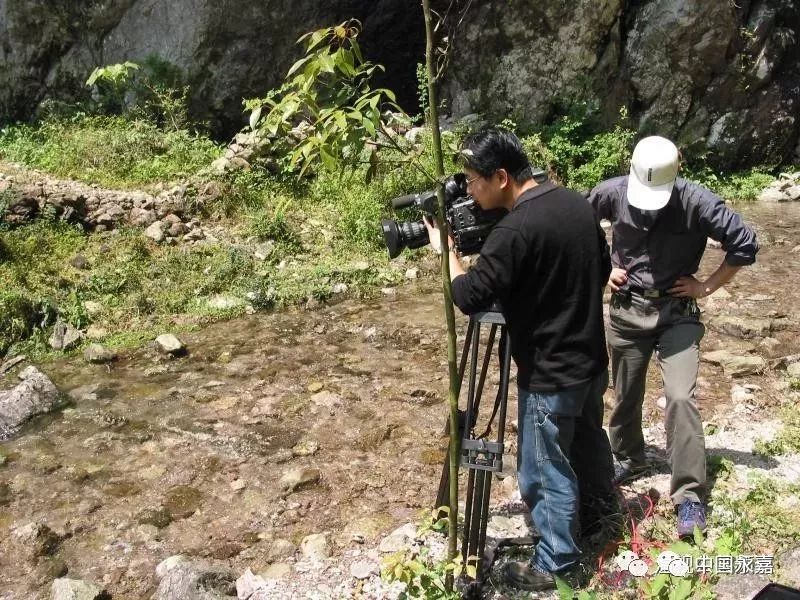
<point x="627" y="473"/>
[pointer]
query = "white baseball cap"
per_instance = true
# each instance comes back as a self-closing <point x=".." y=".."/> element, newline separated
<point x="654" y="167"/>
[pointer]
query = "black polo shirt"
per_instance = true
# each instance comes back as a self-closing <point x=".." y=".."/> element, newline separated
<point x="546" y="262"/>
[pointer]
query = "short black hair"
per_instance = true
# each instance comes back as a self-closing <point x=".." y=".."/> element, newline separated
<point x="494" y="148"/>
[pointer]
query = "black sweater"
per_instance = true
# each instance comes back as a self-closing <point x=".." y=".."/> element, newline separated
<point x="546" y="262"/>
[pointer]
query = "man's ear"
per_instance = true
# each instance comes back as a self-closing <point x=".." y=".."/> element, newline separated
<point x="503" y="178"/>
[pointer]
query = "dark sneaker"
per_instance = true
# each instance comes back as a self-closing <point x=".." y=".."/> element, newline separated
<point x="525" y="576"/>
<point x="690" y="515"/>
<point x="626" y="474"/>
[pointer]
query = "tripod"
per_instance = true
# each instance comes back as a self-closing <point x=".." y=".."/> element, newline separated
<point x="480" y="455"/>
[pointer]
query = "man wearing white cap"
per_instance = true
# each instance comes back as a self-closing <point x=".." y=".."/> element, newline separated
<point x="660" y="224"/>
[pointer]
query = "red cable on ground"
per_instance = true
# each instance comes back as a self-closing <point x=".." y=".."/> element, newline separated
<point x="639" y="545"/>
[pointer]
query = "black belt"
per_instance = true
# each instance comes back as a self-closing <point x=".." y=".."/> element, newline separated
<point x="645" y="292"/>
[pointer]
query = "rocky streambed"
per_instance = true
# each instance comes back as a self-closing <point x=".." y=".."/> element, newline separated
<point x="293" y="444"/>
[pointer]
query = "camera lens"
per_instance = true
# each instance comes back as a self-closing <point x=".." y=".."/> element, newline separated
<point x="403" y="234"/>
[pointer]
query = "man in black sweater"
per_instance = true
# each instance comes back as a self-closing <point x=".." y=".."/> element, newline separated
<point x="546" y="262"/>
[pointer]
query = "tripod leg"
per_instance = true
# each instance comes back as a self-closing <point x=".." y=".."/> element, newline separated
<point x="443" y="493"/>
<point x="475" y="501"/>
<point x="468" y="512"/>
<point x="484" y="521"/>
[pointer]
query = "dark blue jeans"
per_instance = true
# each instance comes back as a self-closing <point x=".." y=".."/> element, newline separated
<point x="564" y="457"/>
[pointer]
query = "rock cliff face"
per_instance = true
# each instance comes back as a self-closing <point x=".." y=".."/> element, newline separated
<point x="227" y="49"/>
<point x="714" y="75"/>
<point x="720" y="77"/>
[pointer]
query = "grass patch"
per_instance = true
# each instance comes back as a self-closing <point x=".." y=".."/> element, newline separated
<point x="112" y="151"/>
<point x="787" y="441"/>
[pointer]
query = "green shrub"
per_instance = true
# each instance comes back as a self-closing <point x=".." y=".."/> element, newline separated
<point x="577" y="151"/>
<point x="18" y="317"/>
<point x="111" y="151"/>
<point x="742" y="186"/>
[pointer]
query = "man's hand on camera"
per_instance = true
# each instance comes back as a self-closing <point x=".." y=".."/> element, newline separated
<point x="617" y="278"/>
<point x="434" y="237"/>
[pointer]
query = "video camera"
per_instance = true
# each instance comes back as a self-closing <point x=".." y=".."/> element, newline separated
<point x="469" y="223"/>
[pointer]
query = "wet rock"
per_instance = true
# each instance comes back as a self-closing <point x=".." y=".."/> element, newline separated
<point x="196" y="581"/>
<point x="223" y="302"/>
<point x="177" y="229"/>
<point x="743" y="327"/>
<point x="277" y="571"/>
<point x="374" y="436"/>
<point x="760" y="298"/>
<point x="182" y="501"/>
<point x="5" y="493"/>
<point x="155" y="232"/>
<point x="34" y="396"/>
<point x="739" y="587"/>
<point x="48" y="569"/>
<point x="11" y="363"/>
<point x="740" y="395"/>
<point x="363" y="569"/>
<point x="305" y="448"/>
<point x="98" y="354"/>
<point x="789" y="562"/>
<point x="280" y="549"/>
<point x="326" y="399"/>
<point x="158" y="517"/>
<point x="168" y="564"/>
<point x="37" y="539"/>
<point x="735" y="366"/>
<point x="770" y="345"/>
<point x="297" y="478"/>
<point x="64" y="337"/>
<point x="315" y="546"/>
<point x="79" y="262"/>
<point x="76" y="589"/>
<point x="225" y="549"/>
<point x="170" y="344"/>
<point x="140" y="217"/>
<point x="400" y="539"/>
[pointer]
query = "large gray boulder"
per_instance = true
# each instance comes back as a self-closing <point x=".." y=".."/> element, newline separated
<point x="195" y="581"/>
<point x="36" y="395"/>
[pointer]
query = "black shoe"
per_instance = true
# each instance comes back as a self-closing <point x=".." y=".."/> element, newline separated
<point x="525" y="576"/>
<point x="601" y="514"/>
<point x="627" y="473"/>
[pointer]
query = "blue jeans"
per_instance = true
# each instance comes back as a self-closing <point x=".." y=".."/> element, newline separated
<point x="563" y="454"/>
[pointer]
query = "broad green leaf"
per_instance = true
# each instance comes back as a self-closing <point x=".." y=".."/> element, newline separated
<point x="300" y="63"/>
<point x="658" y="583"/>
<point x="369" y="126"/>
<point x="565" y="591"/>
<point x="682" y="591"/>
<point x="328" y="160"/>
<point x="254" y="117"/>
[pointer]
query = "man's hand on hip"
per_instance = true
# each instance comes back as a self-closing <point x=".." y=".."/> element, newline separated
<point x="617" y="278"/>
<point x="689" y="287"/>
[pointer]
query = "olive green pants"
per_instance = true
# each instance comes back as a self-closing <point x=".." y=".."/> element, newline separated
<point x="671" y="327"/>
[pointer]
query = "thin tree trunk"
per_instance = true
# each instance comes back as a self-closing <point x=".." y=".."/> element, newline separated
<point x="455" y="442"/>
